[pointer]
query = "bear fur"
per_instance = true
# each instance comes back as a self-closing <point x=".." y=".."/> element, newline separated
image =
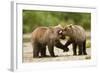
<point x="77" y="37"/>
<point x="46" y="36"/>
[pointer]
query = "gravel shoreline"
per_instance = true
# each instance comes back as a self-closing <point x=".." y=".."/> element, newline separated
<point x="62" y="56"/>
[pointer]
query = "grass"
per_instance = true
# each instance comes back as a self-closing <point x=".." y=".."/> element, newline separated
<point x="88" y="43"/>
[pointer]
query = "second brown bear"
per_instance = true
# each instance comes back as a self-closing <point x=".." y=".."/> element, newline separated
<point x="77" y="37"/>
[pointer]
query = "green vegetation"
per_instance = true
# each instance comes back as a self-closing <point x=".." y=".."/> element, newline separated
<point x="33" y="19"/>
<point x="88" y="43"/>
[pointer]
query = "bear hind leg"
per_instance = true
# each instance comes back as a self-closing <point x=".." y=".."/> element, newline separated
<point x="43" y="51"/>
<point x="80" y="49"/>
<point x="74" y="48"/>
<point x="36" y="52"/>
<point x="84" y="48"/>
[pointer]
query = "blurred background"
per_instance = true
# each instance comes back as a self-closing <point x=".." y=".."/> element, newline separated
<point x="33" y="19"/>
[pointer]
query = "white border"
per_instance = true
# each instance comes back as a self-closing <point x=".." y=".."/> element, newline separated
<point x="16" y="60"/>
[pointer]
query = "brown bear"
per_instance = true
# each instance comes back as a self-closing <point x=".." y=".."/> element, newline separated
<point x="47" y="36"/>
<point x="77" y="37"/>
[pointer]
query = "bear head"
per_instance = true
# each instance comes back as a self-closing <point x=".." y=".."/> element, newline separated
<point x="68" y="30"/>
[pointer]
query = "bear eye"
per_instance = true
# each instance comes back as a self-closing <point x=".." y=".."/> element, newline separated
<point x="60" y="32"/>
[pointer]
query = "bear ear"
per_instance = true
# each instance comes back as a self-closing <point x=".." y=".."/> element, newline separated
<point x="58" y="26"/>
<point x="71" y="25"/>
